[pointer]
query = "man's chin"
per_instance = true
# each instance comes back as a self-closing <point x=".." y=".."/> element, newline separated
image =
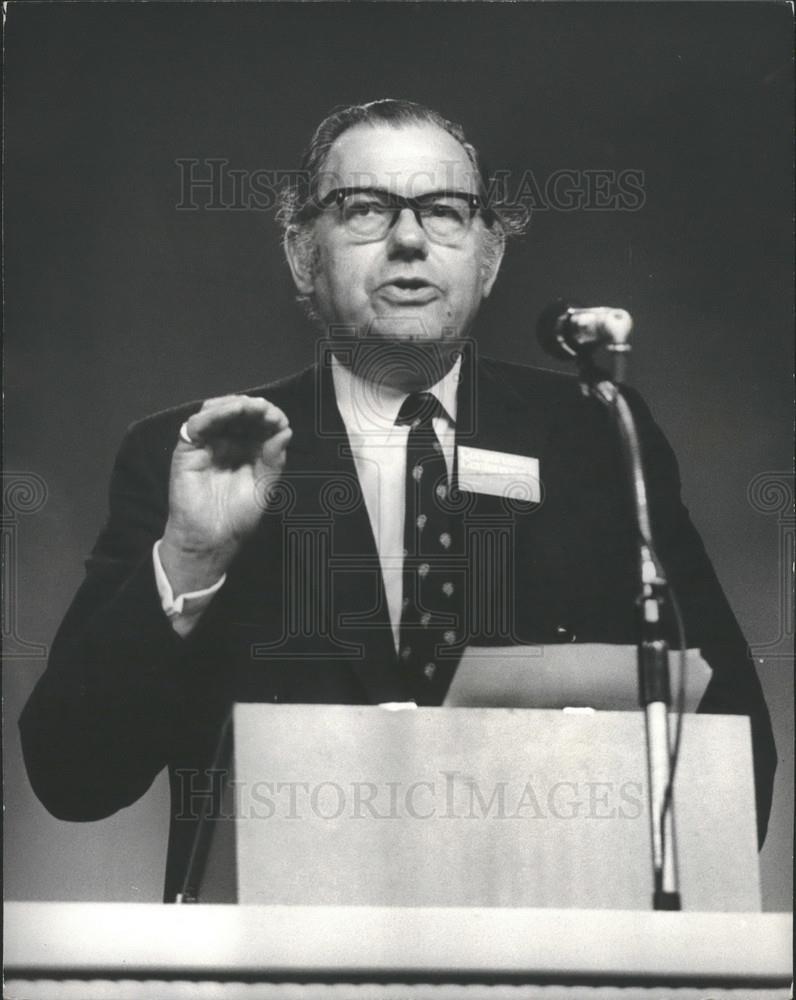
<point x="407" y="329"/>
<point x="401" y="358"/>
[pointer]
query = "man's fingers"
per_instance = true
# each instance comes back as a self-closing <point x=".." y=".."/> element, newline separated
<point x="237" y="417"/>
<point x="275" y="448"/>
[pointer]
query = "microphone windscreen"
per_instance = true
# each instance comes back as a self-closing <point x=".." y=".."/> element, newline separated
<point x="550" y="329"/>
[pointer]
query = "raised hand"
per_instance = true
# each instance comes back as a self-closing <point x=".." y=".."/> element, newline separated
<point x="227" y="456"/>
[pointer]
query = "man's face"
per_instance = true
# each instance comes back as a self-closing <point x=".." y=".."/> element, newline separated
<point x="404" y="286"/>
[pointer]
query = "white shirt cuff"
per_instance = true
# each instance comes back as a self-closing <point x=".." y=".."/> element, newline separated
<point x="185" y="610"/>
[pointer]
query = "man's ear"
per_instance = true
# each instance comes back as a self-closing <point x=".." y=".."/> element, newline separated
<point x="492" y="257"/>
<point x="300" y="252"/>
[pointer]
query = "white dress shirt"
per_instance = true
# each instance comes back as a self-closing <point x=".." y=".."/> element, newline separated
<point x="378" y="446"/>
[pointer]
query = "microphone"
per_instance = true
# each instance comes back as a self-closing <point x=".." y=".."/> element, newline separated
<point x="571" y="332"/>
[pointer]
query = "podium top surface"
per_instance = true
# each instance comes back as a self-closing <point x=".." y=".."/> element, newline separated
<point x="595" y="675"/>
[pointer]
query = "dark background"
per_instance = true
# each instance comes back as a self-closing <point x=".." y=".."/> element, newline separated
<point x="117" y="304"/>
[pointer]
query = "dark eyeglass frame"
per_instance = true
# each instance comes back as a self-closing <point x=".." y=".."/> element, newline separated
<point x="397" y="202"/>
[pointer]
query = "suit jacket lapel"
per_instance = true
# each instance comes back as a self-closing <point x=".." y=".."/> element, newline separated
<point x="495" y="415"/>
<point x="326" y="481"/>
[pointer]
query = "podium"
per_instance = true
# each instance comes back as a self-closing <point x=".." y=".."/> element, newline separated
<point x="448" y="853"/>
<point x="334" y="805"/>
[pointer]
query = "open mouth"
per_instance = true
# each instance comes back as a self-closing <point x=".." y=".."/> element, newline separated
<point x="416" y="290"/>
<point x="411" y="283"/>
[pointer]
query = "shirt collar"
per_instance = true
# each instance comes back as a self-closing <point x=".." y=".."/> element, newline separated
<point x="370" y="407"/>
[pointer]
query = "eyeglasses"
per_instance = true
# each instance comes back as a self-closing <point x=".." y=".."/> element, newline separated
<point x="368" y="214"/>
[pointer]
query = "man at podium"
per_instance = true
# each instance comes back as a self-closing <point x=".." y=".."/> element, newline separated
<point x="344" y="534"/>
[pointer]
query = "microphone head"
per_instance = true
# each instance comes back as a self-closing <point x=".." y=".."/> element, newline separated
<point x="551" y="328"/>
<point x="571" y="332"/>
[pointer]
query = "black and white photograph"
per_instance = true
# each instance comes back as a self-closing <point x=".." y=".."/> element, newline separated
<point x="398" y="510"/>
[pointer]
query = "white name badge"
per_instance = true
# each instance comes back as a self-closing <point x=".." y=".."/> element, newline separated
<point x="499" y="473"/>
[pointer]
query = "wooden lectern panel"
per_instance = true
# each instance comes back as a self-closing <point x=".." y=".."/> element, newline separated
<point x="349" y="805"/>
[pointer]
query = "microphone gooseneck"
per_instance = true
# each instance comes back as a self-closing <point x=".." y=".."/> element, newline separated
<point x="573" y="333"/>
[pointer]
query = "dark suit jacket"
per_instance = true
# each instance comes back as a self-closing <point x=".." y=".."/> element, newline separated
<point x="302" y="616"/>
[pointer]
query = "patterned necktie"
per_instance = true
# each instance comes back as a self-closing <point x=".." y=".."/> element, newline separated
<point x="433" y="585"/>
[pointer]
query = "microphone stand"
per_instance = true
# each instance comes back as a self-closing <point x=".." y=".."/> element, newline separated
<point x="653" y="649"/>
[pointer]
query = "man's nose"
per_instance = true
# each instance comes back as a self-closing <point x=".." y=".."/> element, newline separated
<point x="407" y="235"/>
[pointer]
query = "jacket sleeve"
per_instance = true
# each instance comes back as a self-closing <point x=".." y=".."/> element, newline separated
<point x="710" y="625"/>
<point x="122" y="694"/>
